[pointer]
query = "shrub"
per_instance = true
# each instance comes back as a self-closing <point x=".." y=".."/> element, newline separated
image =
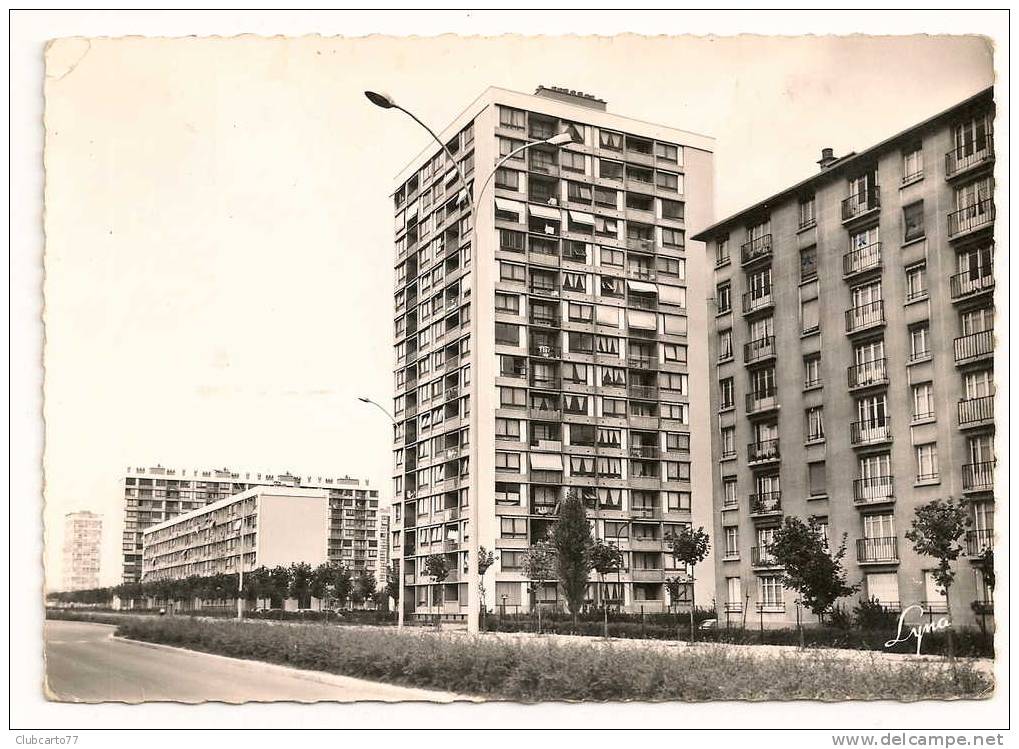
<point x="870" y="614"/>
<point x="541" y="671"/>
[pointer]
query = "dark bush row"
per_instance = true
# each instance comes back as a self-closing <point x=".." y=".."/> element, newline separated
<point x="542" y="671"/>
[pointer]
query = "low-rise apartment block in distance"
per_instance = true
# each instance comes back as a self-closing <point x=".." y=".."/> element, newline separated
<point x="852" y="355"/>
<point x="266" y="526"/>
<point x="570" y="317"/>
<point x="154" y="495"/>
<point x="83" y="533"/>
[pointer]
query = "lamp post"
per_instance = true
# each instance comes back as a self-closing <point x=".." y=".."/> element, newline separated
<point x="571" y="135"/>
<point x="399" y="601"/>
<point x="239" y="527"/>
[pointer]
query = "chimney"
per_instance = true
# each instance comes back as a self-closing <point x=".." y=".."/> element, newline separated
<point x="827" y="158"/>
<point x="572" y="97"/>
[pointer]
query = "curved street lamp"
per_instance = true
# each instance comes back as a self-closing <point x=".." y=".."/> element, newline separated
<point x="570" y="135"/>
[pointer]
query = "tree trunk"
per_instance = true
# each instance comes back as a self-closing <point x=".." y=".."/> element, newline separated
<point x="951" y="638"/>
<point x="692" y="599"/>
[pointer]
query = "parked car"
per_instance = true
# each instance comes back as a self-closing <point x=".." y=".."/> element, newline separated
<point x="708" y="624"/>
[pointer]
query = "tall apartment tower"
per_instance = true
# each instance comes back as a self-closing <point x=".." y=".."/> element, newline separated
<point x="382" y="575"/>
<point x="83" y="532"/>
<point x="852" y="355"/>
<point x="568" y="318"/>
<point x="154" y="495"/>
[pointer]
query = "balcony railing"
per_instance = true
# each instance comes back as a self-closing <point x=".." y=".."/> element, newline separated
<point x="641" y="273"/>
<point x="544" y="290"/>
<point x="874" y="490"/>
<point x="756" y="248"/>
<point x="755" y="300"/>
<point x="978" y="476"/>
<point x="883" y="549"/>
<point x="978" y="541"/>
<point x="762" y="451"/>
<point x="762" y="348"/>
<point x="644" y="452"/>
<point x="646" y="513"/>
<point x="643" y="392"/>
<point x="762" y="401"/>
<point x="861" y="203"/>
<point x="867" y="374"/>
<point x="770" y="607"/>
<point x="974" y="345"/>
<point x="865" y="316"/>
<point x="976" y="410"/>
<point x="761" y="556"/>
<point x="971" y="217"/>
<point x="869" y="431"/>
<point x="967" y="283"/>
<point x="768" y="503"/>
<point x="865" y="258"/>
<point x="546" y="383"/>
<point x="546" y="321"/>
<point x="958" y="160"/>
<point x="642" y="362"/>
<point x="546" y="351"/>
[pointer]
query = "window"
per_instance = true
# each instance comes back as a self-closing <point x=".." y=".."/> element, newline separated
<point x="507" y="179"/>
<point x="927" y="462"/>
<point x="610" y="140"/>
<point x="674" y="352"/>
<point x="507" y="303"/>
<point x="507" y="461"/>
<point x="672" y="209"/>
<point x="613" y="407"/>
<point x="723" y="296"/>
<point x="728" y="442"/>
<point x="513" y="527"/>
<point x="770" y="592"/>
<point x="730" y="498"/>
<point x="507" y="429"/>
<point x="884" y="587"/>
<point x="977" y="321"/>
<point x="808" y="263"/>
<point x="923" y="401"/>
<point x="912" y="163"/>
<point x="572" y="161"/>
<point x="667" y="152"/>
<point x="579" y="312"/>
<point x="512" y="366"/>
<point x="817" y="478"/>
<point x="919" y="342"/>
<point x="671" y="266"/>
<point x="912" y="219"/>
<point x="677" y="442"/>
<point x="511" y="272"/>
<point x="507" y="334"/>
<point x="610" y="170"/>
<point x="807" y="215"/>
<point x="731" y="534"/>
<point x="669" y="181"/>
<point x="512" y="397"/>
<point x="578" y="192"/>
<point x="726" y="395"/>
<point x="605" y="197"/>
<point x="979" y="384"/>
<point x="815" y="424"/>
<point x="812" y="371"/>
<point x="508" y="146"/>
<point x="673" y="237"/>
<point x="612" y="257"/>
<point x="722" y="250"/>
<point x="511" y="118"/>
<point x="725" y="345"/>
<point x="678" y="382"/>
<point x="606" y="227"/>
<point x="916" y="282"/>
<point x="512" y="560"/>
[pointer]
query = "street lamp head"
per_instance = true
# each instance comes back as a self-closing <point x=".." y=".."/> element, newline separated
<point x="570" y="135"/>
<point x="363" y="400"/>
<point x="380" y="100"/>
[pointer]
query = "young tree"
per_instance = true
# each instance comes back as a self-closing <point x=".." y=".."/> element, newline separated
<point x="342" y="585"/>
<point x="605" y="559"/>
<point x="539" y="568"/>
<point x="364" y="587"/>
<point x="572" y="541"/>
<point x="393" y="582"/>
<point x="690" y="547"/>
<point x="279" y="585"/>
<point x="301" y="577"/>
<point x="320" y="578"/>
<point x="936" y="531"/>
<point x="437" y="567"/>
<point x="810" y="566"/>
<point x="485" y="560"/>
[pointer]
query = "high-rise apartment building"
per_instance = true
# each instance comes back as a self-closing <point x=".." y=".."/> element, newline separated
<point x="852" y="354"/>
<point x="154" y="495"/>
<point x="566" y="315"/>
<point x="83" y="532"/>
<point x="382" y="575"/>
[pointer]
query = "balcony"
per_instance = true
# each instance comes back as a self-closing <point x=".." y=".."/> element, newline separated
<point x="870" y="432"/>
<point x="545" y="321"/>
<point x="644" y="452"/>
<point x="976" y="411"/>
<point x="974" y="346"/>
<point x="641" y="273"/>
<point x="755" y="249"/>
<point x="968" y="284"/>
<point x="642" y="362"/>
<point x="758" y="403"/>
<point x="546" y="351"/>
<point x="545" y="509"/>
<point x="545" y="414"/>
<point x="970" y="218"/>
<point x="761" y="556"/>
<point x="641" y="244"/>
<point x="960" y="160"/>
<point x="874" y="490"/>
<point x="861" y="204"/>
<point x="646" y="513"/>
<point x="648" y="575"/>
<point x="642" y="392"/>
<point x="544" y="290"/>
<point x="877" y="550"/>
<point x="753" y="301"/>
<point x="978" y="477"/>
<point x="546" y="383"/>
<point x="766" y="504"/>
<point x="764" y="451"/>
<point x="863" y="259"/>
<point x="867" y="374"/>
<point x="865" y="316"/>
<point x="979" y="541"/>
<point x="759" y="350"/>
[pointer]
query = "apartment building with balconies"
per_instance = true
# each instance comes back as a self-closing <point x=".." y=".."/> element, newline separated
<point x="157" y="494"/>
<point x="854" y="379"/>
<point x="82" y="550"/>
<point x="569" y="322"/>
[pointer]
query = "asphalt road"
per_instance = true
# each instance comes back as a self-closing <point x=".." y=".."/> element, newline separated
<point x="84" y="663"/>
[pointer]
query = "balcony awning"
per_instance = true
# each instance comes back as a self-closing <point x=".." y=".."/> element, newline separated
<point x="640" y="319"/>
<point x="546" y="462"/>
<point x="510" y="206"/>
<point x="545" y="212"/>
<point x="579" y="217"/>
<point x="672" y="294"/>
<point x="642" y="286"/>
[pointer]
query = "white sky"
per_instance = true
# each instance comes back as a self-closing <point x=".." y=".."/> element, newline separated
<point x="219" y="273"/>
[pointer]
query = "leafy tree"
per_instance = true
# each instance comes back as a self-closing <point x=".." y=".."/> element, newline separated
<point x="437" y="567"/>
<point x="539" y="568"/>
<point x="811" y="567"/>
<point x="279" y="585"/>
<point x="572" y="541"/>
<point x="321" y="576"/>
<point x="342" y="584"/>
<point x="605" y="559"/>
<point x="936" y="531"/>
<point x="393" y="582"/>
<point x="364" y="587"/>
<point x="690" y="547"/>
<point x="258" y="584"/>
<point x="301" y="575"/>
<point x="485" y="560"/>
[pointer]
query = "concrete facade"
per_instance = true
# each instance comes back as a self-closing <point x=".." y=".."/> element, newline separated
<point x="852" y="366"/>
<point x="83" y="532"/>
